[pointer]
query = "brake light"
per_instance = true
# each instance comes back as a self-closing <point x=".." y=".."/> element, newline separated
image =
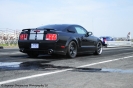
<point x="51" y="37"/>
<point x="23" y="36"/>
<point x="37" y="31"/>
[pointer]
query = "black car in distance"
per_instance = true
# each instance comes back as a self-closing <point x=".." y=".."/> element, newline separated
<point x="62" y="39"/>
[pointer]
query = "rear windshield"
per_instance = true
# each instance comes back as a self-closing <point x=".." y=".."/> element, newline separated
<point x="56" y="27"/>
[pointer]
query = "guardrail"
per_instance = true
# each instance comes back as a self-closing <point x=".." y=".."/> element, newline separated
<point x="132" y="44"/>
<point x="118" y="43"/>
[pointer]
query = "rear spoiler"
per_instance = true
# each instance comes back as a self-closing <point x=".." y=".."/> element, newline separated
<point x="26" y="30"/>
<point x="47" y="29"/>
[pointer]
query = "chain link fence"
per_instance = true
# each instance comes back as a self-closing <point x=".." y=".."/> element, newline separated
<point x="9" y="37"/>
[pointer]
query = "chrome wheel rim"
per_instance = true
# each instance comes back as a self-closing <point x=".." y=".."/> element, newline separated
<point x="99" y="48"/>
<point x="73" y="49"/>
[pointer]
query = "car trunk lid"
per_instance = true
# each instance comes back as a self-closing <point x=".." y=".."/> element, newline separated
<point x="38" y="34"/>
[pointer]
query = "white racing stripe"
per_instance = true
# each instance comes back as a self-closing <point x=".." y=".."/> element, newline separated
<point x="49" y="73"/>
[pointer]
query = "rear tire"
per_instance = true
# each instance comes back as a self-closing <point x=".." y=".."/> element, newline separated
<point x="99" y="49"/>
<point x="72" y="49"/>
<point x="32" y="54"/>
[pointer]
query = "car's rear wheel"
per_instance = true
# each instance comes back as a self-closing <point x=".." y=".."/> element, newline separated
<point x="99" y="48"/>
<point x="32" y="54"/>
<point x="72" y="49"/>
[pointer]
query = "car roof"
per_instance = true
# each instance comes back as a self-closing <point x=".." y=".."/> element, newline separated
<point x="56" y="26"/>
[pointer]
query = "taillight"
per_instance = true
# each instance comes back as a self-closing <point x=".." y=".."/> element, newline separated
<point x="104" y="39"/>
<point x="51" y="36"/>
<point x="23" y="36"/>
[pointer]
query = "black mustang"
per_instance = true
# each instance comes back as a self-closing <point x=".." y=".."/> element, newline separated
<point x="63" y="39"/>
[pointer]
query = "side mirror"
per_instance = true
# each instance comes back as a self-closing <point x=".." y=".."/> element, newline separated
<point x="89" y="33"/>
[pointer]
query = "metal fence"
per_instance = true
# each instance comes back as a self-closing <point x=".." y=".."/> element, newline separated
<point x="9" y="37"/>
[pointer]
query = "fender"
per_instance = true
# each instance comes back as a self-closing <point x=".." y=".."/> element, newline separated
<point x="99" y="40"/>
<point x="72" y="39"/>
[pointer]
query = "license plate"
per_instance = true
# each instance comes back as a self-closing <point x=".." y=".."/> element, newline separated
<point x="34" y="45"/>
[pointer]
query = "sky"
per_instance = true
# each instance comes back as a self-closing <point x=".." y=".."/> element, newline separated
<point x="102" y="17"/>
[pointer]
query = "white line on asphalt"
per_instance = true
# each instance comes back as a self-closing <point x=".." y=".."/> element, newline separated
<point x="49" y="73"/>
<point x="109" y="50"/>
<point x="104" y="62"/>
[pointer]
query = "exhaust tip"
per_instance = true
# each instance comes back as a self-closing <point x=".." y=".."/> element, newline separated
<point x="21" y="50"/>
<point x="50" y="51"/>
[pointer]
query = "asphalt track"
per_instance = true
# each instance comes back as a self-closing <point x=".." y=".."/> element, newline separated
<point x="112" y="69"/>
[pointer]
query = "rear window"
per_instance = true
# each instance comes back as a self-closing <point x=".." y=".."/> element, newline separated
<point x="56" y="27"/>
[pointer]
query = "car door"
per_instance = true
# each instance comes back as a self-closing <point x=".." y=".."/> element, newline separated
<point x="82" y="35"/>
<point x="91" y="42"/>
<point x="88" y="41"/>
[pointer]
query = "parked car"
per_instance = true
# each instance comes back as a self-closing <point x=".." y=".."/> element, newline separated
<point x="62" y="39"/>
<point x="106" y="38"/>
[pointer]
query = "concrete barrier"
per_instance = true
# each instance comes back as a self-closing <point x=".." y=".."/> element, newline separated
<point x="118" y="43"/>
<point x="132" y="44"/>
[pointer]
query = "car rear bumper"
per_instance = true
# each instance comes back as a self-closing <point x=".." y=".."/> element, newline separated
<point x="44" y="47"/>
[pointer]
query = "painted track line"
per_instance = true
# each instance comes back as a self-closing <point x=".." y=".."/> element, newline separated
<point x="55" y="72"/>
